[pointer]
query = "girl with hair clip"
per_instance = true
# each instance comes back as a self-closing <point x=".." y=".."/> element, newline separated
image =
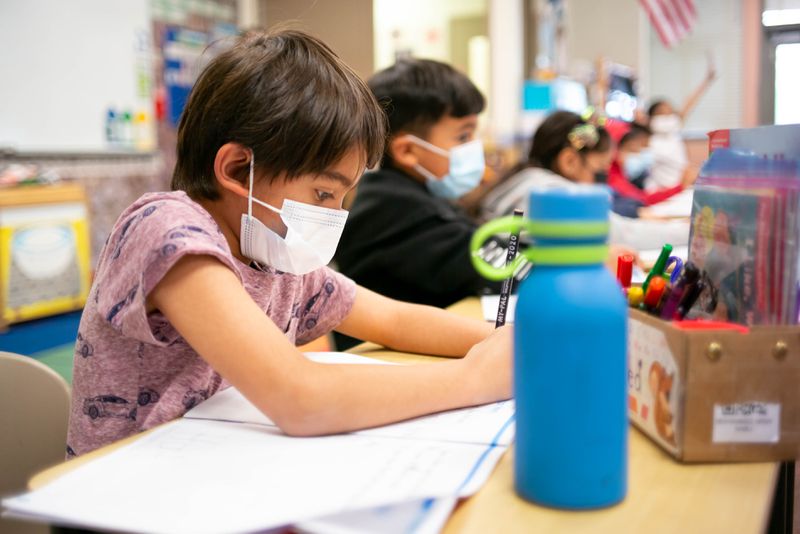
<point x="565" y="151"/>
<point x="216" y="282"/>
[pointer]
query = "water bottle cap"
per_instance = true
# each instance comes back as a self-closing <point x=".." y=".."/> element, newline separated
<point x="585" y="203"/>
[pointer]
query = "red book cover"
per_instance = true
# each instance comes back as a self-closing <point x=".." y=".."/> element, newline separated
<point x="777" y="259"/>
<point x="718" y="139"/>
<point x="763" y="261"/>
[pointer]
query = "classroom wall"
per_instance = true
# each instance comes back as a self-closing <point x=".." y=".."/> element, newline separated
<point x="621" y="32"/>
<point x="506" y="28"/>
<point x="611" y="28"/>
<point x="421" y="27"/>
<point x="752" y="41"/>
<point x="675" y="72"/>
<point x="345" y="25"/>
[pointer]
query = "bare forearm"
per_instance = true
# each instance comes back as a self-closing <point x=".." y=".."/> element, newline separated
<point x="430" y="330"/>
<point x="693" y="99"/>
<point x="305" y="398"/>
<point x="341" y="398"/>
<point x="411" y="327"/>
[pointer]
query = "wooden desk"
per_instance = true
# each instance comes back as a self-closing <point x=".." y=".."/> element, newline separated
<point x="663" y="495"/>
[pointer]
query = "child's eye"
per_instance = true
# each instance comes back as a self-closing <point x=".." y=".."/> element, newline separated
<point x="322" y="196"/>
<point x="464" y="138"/>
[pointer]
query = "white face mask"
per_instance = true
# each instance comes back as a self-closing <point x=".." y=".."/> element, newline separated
<point x="666" y="124"/>
<point x="466" y="168"/>
<point x="312" y="234"/>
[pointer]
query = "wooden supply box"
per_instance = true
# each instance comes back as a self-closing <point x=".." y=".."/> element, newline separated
<point x="715" y="395"/>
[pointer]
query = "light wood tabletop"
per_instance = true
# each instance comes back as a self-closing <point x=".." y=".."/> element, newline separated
<point x="663" y="495"/>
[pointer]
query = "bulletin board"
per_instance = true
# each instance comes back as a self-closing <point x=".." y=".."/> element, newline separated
<point x="63" y="64"/>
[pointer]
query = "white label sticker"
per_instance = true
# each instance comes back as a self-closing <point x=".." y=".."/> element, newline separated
<point x="747" y="422"/>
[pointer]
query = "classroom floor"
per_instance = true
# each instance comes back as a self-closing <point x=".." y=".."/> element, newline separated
<point x="59" y="359"/>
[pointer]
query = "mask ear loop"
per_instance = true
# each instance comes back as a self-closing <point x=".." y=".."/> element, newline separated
<point x="250" y="195"/>
<point x="250" y="198"/>
<point x="433" y="148"/>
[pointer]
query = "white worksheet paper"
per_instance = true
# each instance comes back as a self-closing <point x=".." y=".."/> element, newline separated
<point x="483" y="425"/>
<point x="199" y="475"/>
<point x="425" y="516"/>
<point x="490" y="424"/>
<point x="207" y="477"/>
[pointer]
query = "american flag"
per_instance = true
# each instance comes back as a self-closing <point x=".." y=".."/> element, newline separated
<point x="672" y="19"/>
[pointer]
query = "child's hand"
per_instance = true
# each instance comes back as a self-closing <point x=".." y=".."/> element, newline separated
<point x="615" y="251"/>
<point x="489" y="365"/>
<point x="711" y="69"/>
<point x="689" y="176"/>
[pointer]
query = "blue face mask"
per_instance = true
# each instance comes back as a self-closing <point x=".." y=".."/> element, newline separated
<point x="466" y="169"/>
<point x="636" y="165"/>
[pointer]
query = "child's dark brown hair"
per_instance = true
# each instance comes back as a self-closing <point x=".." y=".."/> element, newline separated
<point x="288" y="97"/>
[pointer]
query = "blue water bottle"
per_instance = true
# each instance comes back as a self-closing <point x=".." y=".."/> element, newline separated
<point x="570" y="352"/>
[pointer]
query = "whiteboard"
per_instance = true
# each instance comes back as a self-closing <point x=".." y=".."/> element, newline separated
<point x="63" y="63"/>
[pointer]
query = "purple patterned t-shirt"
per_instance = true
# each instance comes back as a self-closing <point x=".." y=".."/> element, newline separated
<point x="133" y="371"/>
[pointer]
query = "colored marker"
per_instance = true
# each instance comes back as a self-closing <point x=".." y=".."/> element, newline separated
<point x="691" y="296"/>
<point x="635" y="297"/>
<point x="625" y="270"/>
<point x="664" y="296"/>
<point x="677" y="266"/>
<point x="687" y="278"/>
<point x="654" y="292"/>
<point x="658" y="268"/>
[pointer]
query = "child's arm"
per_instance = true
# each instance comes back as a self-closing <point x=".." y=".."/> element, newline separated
<point x="208" y="306"/>
<point x="411" y="327"/>
<point x="697" y="94"/>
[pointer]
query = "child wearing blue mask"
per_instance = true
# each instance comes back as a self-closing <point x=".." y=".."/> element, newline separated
<point x="216" y="282"/>
<point x="632" y="166"/>
<point x="565" y="151"/>
<point x="406" y="238"/>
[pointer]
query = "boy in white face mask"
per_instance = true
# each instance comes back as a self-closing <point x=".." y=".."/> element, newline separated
<point x="215" y="282"/>
<point x="405" y="237"/>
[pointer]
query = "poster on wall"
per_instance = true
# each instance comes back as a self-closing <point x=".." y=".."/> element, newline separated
<point x="185" y="54"/>
<point x="183" y="49"/>
<point x="44" y="259"/>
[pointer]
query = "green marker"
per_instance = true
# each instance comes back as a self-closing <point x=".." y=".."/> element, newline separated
<point x="658" y="268"/>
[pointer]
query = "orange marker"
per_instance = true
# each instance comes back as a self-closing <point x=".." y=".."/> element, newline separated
<point x="654" y="292"/>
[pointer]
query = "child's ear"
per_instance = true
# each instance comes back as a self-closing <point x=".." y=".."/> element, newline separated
<point x="232" y="168"/>
<point x="401" y="151"/>
<point x="564" y="162"/>
<point x="568" y="163"/>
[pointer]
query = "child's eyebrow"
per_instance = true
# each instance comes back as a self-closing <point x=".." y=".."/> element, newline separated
<point x="338" y="177"/>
